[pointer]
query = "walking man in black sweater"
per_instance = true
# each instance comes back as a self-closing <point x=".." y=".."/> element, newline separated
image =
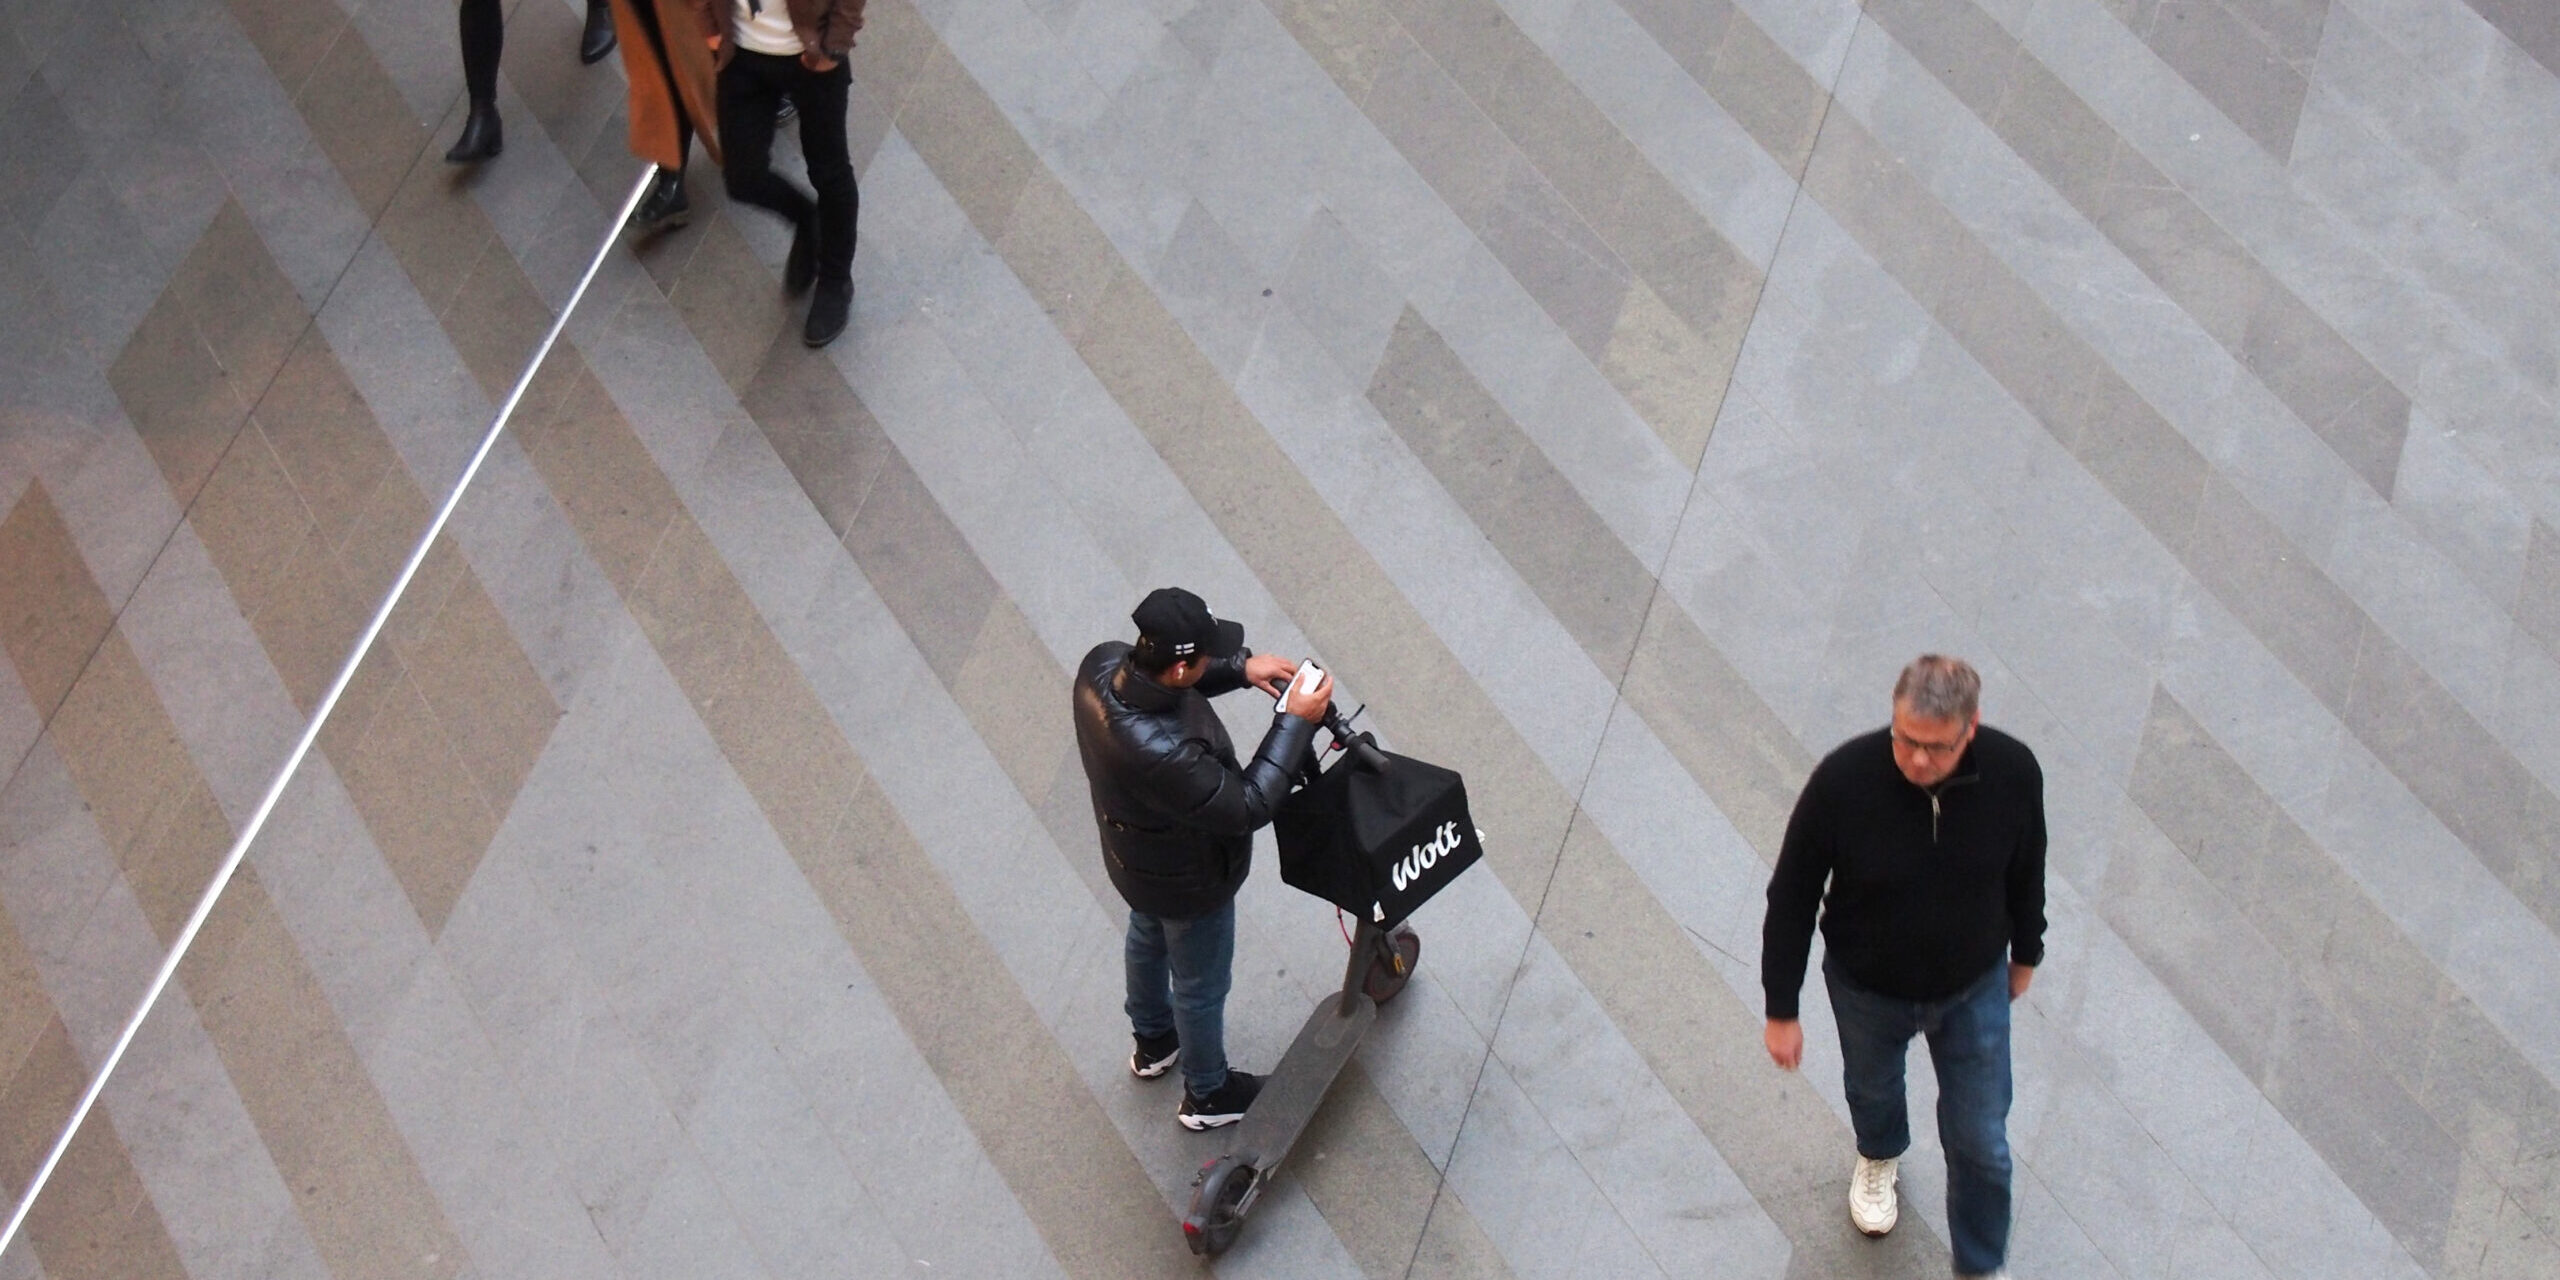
<point x="1930" y="837"/>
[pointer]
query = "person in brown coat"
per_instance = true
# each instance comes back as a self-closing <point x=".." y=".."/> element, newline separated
<point x="770" y="52"/>
<point x="673" y="84"/>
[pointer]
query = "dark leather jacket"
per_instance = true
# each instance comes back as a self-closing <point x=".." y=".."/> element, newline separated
<point x="1177" y="812"/>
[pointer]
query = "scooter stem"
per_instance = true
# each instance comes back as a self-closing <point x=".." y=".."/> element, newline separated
<point x="1366" y="943"/>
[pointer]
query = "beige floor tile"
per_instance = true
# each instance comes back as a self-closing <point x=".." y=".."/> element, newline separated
<point x="132" y="768"/>
<point x="1351" y="38"/>
<point x="25" y="1010"/>
<point x="495" y="321"/>
<point x="437" y="234"/>
<point x="1454" y="1247"/>
<point x="184" y="406"/>
<point x="252" y="524"/>
<point x="51" y="615"/>
<point x="924" y="570"/>
<point x="1526" y="507"/>
<point x="1356" y="1149"/>
<point x="1026" y="732"/>
<point x="420" y="802"/>
<point x="324" y="438"/>
<point x="1673" y="377"/>
<point x="731" y="305"/>
<point x="360" y="121"/>
<point x="603" y="477"/>
<point x="380" y="544"/>
<point x="489" y="701"/>
<point x="894" y="52"/>
<point x="95" y="1220"/>
<point x="308" y="617"/>
<point x="1065" y="261"/>
<point x="293" y="35"/>
<point x="1707" y="715"/>
<point x="981" y="161"/>
<point x="170" y="865"/>
<point x="245" y="308"/>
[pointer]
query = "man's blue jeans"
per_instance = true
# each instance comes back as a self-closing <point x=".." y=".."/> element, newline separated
<point x="1179" y="972"/>
<point x="1969" y="1044"/>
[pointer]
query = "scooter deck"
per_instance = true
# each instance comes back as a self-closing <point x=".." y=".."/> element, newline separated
<point x="1292" y="1092"/>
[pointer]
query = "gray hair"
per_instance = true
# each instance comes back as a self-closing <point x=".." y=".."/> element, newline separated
<point x="1937" y="687"/>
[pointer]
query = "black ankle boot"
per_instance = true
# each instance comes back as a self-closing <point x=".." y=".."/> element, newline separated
<point x="664" y="208"/>
<point x="481" y="138"/>
<point x="597" y="40"/>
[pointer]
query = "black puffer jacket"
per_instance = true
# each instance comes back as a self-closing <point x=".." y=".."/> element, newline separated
<point x="1177" y="812"/>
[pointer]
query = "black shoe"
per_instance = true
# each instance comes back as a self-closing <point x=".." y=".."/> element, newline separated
<point x="1224" y="1107"/>
<point x="783" y="114"/>
<point x="597" y="40"/>
<point x="1154" y="1055"/>
<point x="800" y="266"/>
<point x="829" y="308"/>
<point x="664" y="208"/>
<point x="481" y="139"/>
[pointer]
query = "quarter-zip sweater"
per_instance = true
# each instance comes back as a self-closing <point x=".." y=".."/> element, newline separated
<point x="1921" y="889"/>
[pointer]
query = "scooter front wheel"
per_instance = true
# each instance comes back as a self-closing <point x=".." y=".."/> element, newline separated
<point x="1393" y="966"/>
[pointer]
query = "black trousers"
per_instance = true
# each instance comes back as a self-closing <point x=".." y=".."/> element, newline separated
<point x="484" y="37"/>
<point x="752" y="88"/>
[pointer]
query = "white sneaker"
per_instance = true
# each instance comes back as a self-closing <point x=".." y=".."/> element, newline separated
<point x="1873" y="1207"/>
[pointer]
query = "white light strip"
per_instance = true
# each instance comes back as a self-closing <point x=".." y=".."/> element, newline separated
<point x="319" y="716"/>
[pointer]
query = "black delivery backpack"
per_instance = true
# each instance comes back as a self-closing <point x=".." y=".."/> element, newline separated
<point x="1377" y="842"/>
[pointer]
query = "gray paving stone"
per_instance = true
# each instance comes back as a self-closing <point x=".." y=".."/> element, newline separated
<point x="46" y="157"/>
<point x="617" y="1140"/>
<point x="1338" y="292"/>
<point x="2529" y="27"/>
<point x="684" y="1229"/>
<point x="2235" y="64"/>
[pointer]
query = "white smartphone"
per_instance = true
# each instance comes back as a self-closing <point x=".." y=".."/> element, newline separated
<point x="1309" y="676"/>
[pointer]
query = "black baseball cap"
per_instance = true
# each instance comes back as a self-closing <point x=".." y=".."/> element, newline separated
<point x="1175" y="626"/>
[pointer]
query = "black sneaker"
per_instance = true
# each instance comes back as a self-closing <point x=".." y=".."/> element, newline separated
<point x="829" y="308"/>
<point x="1154" y="1055"/>
<point x="1224" y="1107"/>
<point x="664" y="208"/>
<point x="783" y="114"/>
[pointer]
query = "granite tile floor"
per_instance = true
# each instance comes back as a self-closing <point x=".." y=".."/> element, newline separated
<point x="698" y="882"/>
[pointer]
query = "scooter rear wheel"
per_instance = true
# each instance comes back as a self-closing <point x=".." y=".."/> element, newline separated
<point x="1388" y="973"/>
<point x="1217" y="1206"/>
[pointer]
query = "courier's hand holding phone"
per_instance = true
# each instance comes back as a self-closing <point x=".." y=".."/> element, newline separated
<point x="1309" y="694"/>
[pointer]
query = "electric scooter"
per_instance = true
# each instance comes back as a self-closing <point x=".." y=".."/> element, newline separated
<point x="1381" y="962"/>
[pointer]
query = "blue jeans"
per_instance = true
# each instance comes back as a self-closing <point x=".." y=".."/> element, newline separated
<point x="1969" y="1044"/>
<point x="1194" y="960"/>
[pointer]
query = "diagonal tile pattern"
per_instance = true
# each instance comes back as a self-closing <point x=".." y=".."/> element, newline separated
<point x="698" y="880"/>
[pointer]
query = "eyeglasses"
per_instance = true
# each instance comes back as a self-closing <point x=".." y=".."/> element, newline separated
<point x="1919" y="748"/>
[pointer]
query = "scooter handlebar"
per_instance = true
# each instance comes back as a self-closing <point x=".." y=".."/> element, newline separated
<point x="1363" y="746"/>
